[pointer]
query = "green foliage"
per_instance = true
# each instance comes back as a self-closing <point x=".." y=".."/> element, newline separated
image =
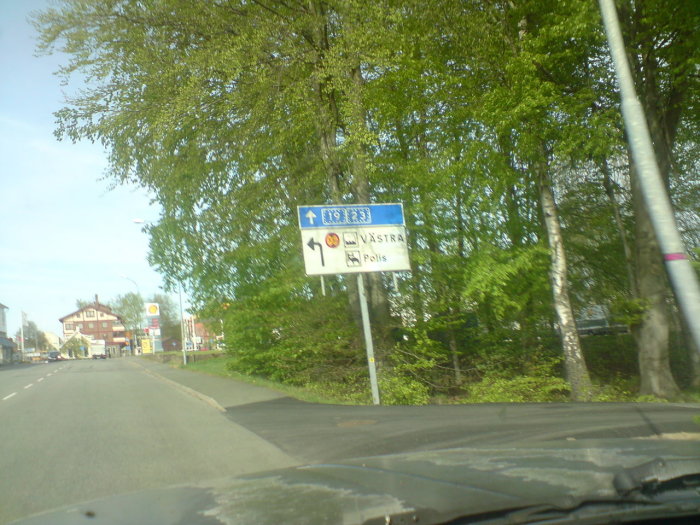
<point x="169" y="313"/>
<point x="518" y="390"/>
<point x="614" y="393"/>
<point x="131" y="308"/>
<point x="611" y="358"/>
<point x="33" y="337"/>
<point x="76" y="347"/>
<point x="629" y="311"/>
<point x="82" y="303"/>
<point x="312" y="393"/>
<point x="266" y="336"/>
<point x="402" y="390"/>
<point x="233" y="113"/>
<point x="648" y="398"/>
<point x="538" y="385"/>
<point x="505" y="282"/>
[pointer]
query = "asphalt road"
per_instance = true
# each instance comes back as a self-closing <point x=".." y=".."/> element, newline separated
<point x="78" y="430"/>
<point x="93" y="428"/>
<point x="325" y="433"/>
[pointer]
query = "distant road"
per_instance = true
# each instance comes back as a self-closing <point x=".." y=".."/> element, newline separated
<point x="80" y="430"/>
<point x="77" y="430"/>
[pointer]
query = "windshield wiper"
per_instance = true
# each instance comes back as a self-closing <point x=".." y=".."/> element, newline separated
<point x="661" y="488"/>
<point x="657" y="476"/>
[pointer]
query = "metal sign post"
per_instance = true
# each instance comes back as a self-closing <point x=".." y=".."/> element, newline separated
<point x="355" y="238"/>
<point x="368" y="340"/>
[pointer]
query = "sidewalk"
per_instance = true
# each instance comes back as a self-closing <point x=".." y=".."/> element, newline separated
<point x="226" y="392"/>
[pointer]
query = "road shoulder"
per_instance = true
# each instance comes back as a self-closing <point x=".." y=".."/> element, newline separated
<point x="219" y="392"/>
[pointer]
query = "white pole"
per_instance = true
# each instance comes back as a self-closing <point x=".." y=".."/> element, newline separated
<point x="182" y="329"/>
<point x="135" y="341"/>
<point x="680" y="271"/>
<point x="21" y="334"/>
<point x="368" y="339"/>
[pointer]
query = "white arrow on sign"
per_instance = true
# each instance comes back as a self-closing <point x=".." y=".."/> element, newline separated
<point x="311" y="216"/>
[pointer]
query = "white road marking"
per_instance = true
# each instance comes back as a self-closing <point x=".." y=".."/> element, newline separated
<point x="49" y="375"/>
<point x="40" y="380"/>
<point x="8" y="397"/>
<point x="28" y="386"/>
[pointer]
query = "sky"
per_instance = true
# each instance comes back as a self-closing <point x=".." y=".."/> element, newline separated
<point x="64" y="233"/>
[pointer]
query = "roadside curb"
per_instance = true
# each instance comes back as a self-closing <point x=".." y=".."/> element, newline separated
<point x="202" y="397"/>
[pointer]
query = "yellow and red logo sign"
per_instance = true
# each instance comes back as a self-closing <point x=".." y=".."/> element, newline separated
<point x="152" y="309"/>
<point x="332" y="240"/>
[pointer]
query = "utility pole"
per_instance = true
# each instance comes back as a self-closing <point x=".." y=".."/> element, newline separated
<point x="21" y="334"/>
<point x="182" y="329"/>
<point x="138" y="328"/>
<point x="680" y="271"/>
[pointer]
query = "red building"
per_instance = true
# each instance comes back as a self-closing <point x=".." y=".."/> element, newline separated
<point x="96" y="321"/>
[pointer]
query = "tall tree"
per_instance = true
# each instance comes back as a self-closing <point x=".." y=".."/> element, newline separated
<point x="169" y="316"/>
<point x="130" y="307"/>
<point x="664" y="46"/>
<point x="488" y="120"/>
<point x="33" y="337"/>
<point x="82" y="303"/>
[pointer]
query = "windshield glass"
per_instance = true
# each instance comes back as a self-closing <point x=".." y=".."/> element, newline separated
<point x="242" y="236"/>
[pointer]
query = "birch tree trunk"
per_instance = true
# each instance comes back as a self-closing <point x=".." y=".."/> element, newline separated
<point x="574" y="362"/>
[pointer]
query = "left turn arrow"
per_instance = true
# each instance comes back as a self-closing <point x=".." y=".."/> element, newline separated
<point x="311" y="244"/>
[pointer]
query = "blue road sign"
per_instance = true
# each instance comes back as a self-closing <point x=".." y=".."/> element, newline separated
<point x="350" y="215"/>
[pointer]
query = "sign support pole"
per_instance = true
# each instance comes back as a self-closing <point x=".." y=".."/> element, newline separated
<point x="182" y="329"/>
<point x="368" y="339"/>
<point x="355" y="238"/>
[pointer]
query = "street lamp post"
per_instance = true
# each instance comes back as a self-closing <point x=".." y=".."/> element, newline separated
<point x="182" y="329"/>
<point x="138" y="328"/>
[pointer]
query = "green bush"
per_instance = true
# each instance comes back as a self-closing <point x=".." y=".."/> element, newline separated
<point x="402" y="390"/>
<point x="539" y="382"/>
<point x="610" y="357"/>
<point x="616" y="391"/>
<point x="524" y="389"/>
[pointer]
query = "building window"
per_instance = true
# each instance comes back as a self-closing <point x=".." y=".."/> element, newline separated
<point x="91" y="325"/>
<point x="90" y="313"/>
<point x="80" y="326"/>
<point x="104" y="324"/>
<point x="68" y="327"/>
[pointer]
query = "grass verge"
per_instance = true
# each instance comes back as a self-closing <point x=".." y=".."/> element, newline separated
<point x="324" y="394"/>
<point x="217" y="367"/>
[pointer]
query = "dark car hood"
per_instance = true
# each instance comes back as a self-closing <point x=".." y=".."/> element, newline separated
<point x="430" y="485"/>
